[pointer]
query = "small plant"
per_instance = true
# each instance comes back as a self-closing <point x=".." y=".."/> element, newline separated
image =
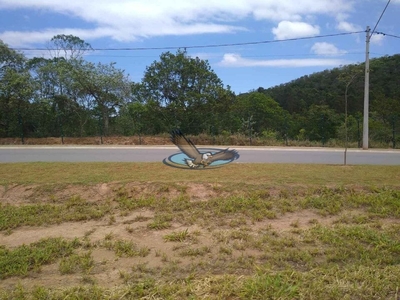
<point x="87" y="279"/>
<point x="164" y="257"/>
<point x="225" y="250"/>
<point x="144" y="251"/>
<point x="295" y="224"/>
<point x="160" y="222"/>
<point x="109" y="236"/>
<point x="125" y="248"/>
<point x="179" y="236"/>
<point x="124" y="276"/>
<point x="141" y="218"/>
<point x="129" y="229"/>
<point x="75" y="263"/>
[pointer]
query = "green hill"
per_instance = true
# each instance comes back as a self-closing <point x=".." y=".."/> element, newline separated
<point x="323" y="93"/>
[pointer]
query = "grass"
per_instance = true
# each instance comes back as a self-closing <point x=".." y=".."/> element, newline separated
<point x="76" y="262"/>
<point x="179" y="236"/>
<point x="274" y="232"/>
<point x="21" y="260"/>
<point x="124" y="248"/>
<point x="75" y="209"/>
<point x="271" y="174"/>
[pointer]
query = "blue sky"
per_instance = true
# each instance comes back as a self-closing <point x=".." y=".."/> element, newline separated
<point x="187" y="23"/>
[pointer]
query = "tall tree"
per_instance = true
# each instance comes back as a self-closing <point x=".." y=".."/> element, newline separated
<point x="57" y="86"/>
<point x="68" y="46"/>
<point x="183" y="86"/>
<point x="265" y="113"/>
<point x="15" y="91"/>
<point x="109" y="88"/>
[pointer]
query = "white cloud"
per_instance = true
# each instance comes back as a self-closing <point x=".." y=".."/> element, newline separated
<point x="377" y="39"/>
<point x="23" y="38"/>
<point x="323" y="48"/>
<point x="127" y="20"/>
<point x="235" y="60"/>
<point x="349" y="27"/>
<point x="289" y="30"/>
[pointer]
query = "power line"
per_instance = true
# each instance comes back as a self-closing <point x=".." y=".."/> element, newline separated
<point x="204" y="46"/>
<point x="387" y="34"/>
<point x="376" y="25"/>
<point x="265" y="55"/>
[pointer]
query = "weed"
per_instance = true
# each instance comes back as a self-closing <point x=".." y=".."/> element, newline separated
<point x="160" y="222"/>
<point x="129" y="229"/>
<point x="111" y="220"/>
<point x="125" y="248"/>
<point x="141" y="218"/>
<point x="75" y="263"/>
<point x="295" y="224"/>
<point x="179" y="236"/>
<point x="225" y="250"/>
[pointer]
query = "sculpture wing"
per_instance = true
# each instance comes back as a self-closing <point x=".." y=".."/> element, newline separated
<point x="224" y="155"/>
<point x="184" y="144"/>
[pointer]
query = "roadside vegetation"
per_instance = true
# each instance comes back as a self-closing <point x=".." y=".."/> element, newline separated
<point x="245" y="231"/>
<point x="66" y="98"/>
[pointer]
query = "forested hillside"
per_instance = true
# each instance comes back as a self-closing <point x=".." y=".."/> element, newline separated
<point x="66" y="95"/>
<point x="323" y="95"/>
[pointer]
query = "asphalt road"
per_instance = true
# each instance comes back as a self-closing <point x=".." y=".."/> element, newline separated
<point x="9" y="154"/>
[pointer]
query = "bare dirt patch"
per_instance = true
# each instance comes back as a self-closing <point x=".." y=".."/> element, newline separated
<point x="303" y="219"/>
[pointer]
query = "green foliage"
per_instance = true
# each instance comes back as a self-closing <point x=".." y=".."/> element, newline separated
<point x="177" y="236"/>
<point x="68" y="96"/>
<point x="264" y="112"/>
<point x="328" y="88"/>
<point x="16" y="89"/>
<point x="269" y="286"/>
<point x="21" y="260"/>
<point x="184" y="88"/>
<point x="321" y="123"/>
<point x="124" y="248"/>
<point x="75" y="262"/>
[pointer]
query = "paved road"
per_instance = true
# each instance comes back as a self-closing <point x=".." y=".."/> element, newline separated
<point x="158" y="153"/>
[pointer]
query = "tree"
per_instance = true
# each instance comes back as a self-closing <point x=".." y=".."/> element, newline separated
<point x="56" y="85"/>
<point x="15" y="91"/>
<point x="68" y="47"/>
<point x="183" y="86"/>
<point x="266" y="114"/>
<point x="107" y="86"/>
<point x="321" y="123"/>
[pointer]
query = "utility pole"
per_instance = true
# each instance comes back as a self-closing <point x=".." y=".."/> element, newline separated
<point x="366" y="92"/>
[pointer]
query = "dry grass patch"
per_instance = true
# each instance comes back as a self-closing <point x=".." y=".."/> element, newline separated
<point x="280" y="233"/>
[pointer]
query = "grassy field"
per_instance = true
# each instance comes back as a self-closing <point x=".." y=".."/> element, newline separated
<point x="244" y="231"/>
